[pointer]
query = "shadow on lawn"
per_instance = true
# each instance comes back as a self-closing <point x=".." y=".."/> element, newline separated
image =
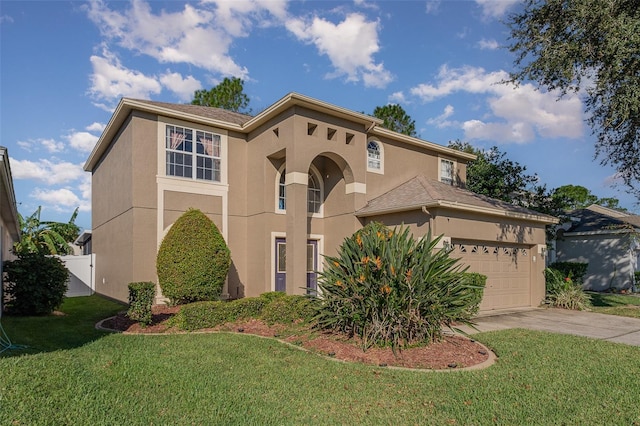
<point x="72" y="326"/>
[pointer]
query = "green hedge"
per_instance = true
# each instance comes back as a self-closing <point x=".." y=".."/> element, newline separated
<point x="477" y="283"/>
<point x="141" y="296"/>
<point x="574" y="270"/>
<point x="273" y="307"/>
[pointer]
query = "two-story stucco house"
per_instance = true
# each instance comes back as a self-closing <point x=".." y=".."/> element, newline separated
<point x="285" y="188"/>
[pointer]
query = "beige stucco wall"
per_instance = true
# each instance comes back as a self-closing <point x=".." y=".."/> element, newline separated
<point x="123" y="205"/>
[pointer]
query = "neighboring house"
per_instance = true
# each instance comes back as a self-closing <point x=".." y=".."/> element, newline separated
<point x="9" y="223"/>
<point x="608" y="240"/>
<point x="285" y="188"/>
<point x="83" y="242"/>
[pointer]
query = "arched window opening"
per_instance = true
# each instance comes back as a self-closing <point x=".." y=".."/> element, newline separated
<point x="374" y="159"/>
<point x="314" y="193"/>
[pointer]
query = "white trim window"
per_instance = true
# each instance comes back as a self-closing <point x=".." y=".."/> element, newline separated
<point x="447" y="168"/>
<point x="374" y="156"/>
<point x="183" y="154"/>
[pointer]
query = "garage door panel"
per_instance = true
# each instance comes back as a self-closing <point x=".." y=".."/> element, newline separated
<point x="507" y="267"/>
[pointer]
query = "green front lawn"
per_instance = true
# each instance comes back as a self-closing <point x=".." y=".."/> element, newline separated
<point x="540" y="378"/>
<point x="71" y="327"/>
<point x="616" y="304"/>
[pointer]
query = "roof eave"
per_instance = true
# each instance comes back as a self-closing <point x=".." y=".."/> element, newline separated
<point x="294" y="99"/>
<point x="122" y="111"/>
<point x="464" y="207"/>
<point x="381" y="131"/>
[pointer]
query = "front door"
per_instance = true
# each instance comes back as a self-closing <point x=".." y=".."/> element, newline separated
<point x="281" y="265"/>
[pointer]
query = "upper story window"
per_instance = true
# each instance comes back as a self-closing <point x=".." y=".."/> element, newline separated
<point x="314" y="193"/>
<point x="375" y="157"/>
<point x="446" y="171"/>
<point x="188" y="150"/>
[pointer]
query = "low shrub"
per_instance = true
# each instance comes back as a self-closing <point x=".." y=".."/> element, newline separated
<point x="574" y="270"/>
<point x="287" y="309"/>
<point x="141" y="296"/>
<point x="389" y="289"/>
<point x="35" y="284"/>
<point x="563" y="292"/>
<point x="274" y="307"/>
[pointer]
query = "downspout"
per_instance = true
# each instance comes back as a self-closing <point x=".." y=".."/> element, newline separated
<point x="431" y="221"/>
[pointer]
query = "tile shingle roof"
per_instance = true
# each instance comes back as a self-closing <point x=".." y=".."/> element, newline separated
<point x="203" y="111"/>
<point x="421" y="191"/>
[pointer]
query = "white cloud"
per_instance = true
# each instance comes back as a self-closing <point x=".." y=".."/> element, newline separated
<point x="6" y="19"/>
<point x="182" y="87"/>
<point x="111" y="80"/>
<point x="46" y="171"/>
<point x="495" y="8"/>
<point x="96" y="127"/>
<point x="82" y="141"/>
<point x="61" y="199"/>
<point x="441" y="120"/>
<point x="398" y="98"/>
<point x="195" y="35"/>
<point x="433" y="6"/>
<point x="350" y="46"/>
<point x="485" y="44"/>
<point x="518" y="113"/>
<point x="50" y="145"/>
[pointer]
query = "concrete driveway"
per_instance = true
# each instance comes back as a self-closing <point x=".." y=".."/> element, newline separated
<point x="598" y="326"/>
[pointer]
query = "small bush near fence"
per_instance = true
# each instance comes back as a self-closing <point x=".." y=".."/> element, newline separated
<point x="35" y="284"/>
<point x="574" y="270"/>
<point x="141" y="295"/>
<point x="273" y="307"/>
<point x="563" y="292"/>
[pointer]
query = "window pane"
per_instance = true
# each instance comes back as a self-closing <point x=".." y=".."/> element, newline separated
<point x="311" y="258"/>
<point x="282" y="257"/>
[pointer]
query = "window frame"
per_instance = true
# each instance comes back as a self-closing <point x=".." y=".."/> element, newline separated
<point x="281" y="194"/>
<point x="379" y="161"/>
<point x="447" y="180"/>
<point x="193" y="148"/>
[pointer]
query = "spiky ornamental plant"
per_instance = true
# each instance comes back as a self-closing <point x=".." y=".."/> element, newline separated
<point x="389" y="289"/>
<point x="193" y="260"/>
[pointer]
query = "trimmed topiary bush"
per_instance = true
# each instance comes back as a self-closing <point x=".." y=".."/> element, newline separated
<point x="389" y="289"/>
<point x="141" y="297"/>
<point x="477" y="284"/>
<point x="193" y="260"/>
<point x="35" y="284"/>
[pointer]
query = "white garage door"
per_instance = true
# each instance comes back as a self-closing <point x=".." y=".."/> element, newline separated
<point x="507" y="267"/>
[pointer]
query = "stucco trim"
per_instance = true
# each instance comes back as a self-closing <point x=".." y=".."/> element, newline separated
<point x="454" y="153"/>
<point x="296" y="177"/>
<point x="355" y="187"/>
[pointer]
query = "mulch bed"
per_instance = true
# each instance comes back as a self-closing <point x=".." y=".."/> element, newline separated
<point x="451" y="353"/>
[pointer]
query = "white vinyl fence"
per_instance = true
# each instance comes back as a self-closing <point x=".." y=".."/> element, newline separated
<point x="81" y="275"/>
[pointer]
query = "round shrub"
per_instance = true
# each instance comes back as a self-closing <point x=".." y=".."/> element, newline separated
<point x="35" y="284"/>
<point x="389" y="289"/>
<point x="193" y="260"/>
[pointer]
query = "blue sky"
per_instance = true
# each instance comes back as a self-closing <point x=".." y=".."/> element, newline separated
<point x="65" y="64"/>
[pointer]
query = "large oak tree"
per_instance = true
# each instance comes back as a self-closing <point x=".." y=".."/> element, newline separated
<point x="591" y="47"/>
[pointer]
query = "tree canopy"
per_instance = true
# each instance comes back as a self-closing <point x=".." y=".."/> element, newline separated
<point x="573" y="197"/>
<point x="591" y="47"/>
<point x="395" y="118"/>
<point x="46" y="237"/>
<point x="229" y="95"/>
